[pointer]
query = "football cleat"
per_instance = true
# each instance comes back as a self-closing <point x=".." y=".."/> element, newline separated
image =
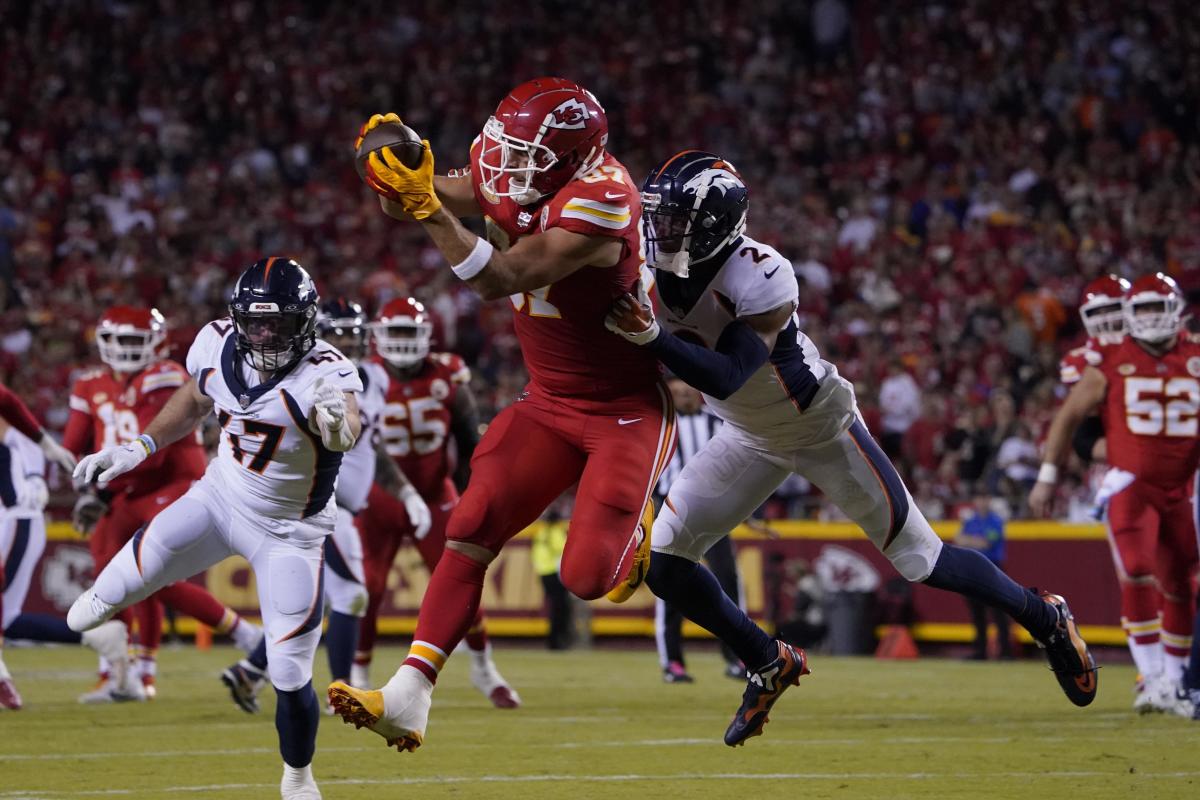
<point x="674" y="672"/>
<point x="10" y="698"/>
<point x="1068" y="655"/>
<point x="110" y="690"/>
<point x="763" y="688"/>
<point x="244" y="684"/>
<point x="490" y="683"/>
<point x="641" y="562"/>
<point x="149" y="687"/>
<point x="404" y="728"/>
<point x="89" y="611"/>
<point x="298" y="784"/>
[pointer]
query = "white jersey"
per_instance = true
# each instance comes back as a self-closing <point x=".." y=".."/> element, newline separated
<point x="796" y="399"/>
<point x="358" y="466"/>
<point x="20" y="458"/>
<point x="269" y="459"/>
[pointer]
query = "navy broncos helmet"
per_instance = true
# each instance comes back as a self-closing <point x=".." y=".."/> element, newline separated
<point x="693" y="206"/>
<point x="343" y="324"/>
<point x="274" y="307"/>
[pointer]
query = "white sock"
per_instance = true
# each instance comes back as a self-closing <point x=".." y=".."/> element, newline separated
<point x="407" y="679"/>
<point x="1173" y="667"/>
<point x="245" y="635"/>
<point x="1148" y="657"/>
<point x="297" y="776"/>
<point x="4" y="673"/>
<point x="104" y="668"/>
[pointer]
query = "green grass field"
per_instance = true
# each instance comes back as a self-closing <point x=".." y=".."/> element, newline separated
<point x="600" y="724"/>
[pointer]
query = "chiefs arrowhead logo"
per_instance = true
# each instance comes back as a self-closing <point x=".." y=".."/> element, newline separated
<point x="569" y="115"/>
<point x="1193" y="366"/>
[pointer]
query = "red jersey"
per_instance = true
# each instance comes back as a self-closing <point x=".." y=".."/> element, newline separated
<point x="109" y="409"/>
<point x="568" y="351"/>
<point x="1072" y="365"/>
<point x="1152" y="408"/>
<point x="415" y="423"/>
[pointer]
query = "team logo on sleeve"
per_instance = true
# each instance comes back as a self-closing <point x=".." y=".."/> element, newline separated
<point x="569" y="115"/>
<point x="1193" y="366"/>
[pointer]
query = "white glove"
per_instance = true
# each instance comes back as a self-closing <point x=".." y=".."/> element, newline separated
<point x="330" y="403"/>
<point x="115" y="460"/>
<point x="632" y="320"/>
<point x="56" y="452"/>
<point x="418" y="512"/>
<point x="34" y="494"/>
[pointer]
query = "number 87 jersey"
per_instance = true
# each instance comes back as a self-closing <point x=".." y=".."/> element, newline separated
<point x="269" y="458"/>
<point x="1152" y="408"/>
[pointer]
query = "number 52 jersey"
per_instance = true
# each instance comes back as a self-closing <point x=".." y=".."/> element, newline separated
<point x="269" y="459"/>
<point x="1152" y="408"/>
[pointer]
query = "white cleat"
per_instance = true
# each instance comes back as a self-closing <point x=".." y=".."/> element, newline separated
<point x="110" y="640"/>
<point x="89" y="611"/>
<point x="490" y="683"/>
<point x="298" y="784"/>
<point x="399" y="712"/>
<point x="128" y="691"/>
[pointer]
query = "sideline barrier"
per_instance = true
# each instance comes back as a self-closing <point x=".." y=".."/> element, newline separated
<point x="1067" y="558"/>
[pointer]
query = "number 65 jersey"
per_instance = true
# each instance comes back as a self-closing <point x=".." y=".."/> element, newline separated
<point x="269" y="459"/>
<point x="1152" y="408"/>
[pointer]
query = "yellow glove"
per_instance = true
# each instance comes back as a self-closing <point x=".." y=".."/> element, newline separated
<point x="375" y="121"/>
<point x="411" y="189"/>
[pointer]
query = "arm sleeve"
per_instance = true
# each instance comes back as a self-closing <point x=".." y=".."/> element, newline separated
<point x="717" y="373"/>
<point x="18" y="415"/>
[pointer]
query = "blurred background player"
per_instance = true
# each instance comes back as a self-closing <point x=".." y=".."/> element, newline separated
<point x="695" y="426"/>
<point x="1146" y="384"/>
<point x="562" y="225"/>
<point x="285" y="402"/>
<point x="428" y="407"/>
<point x="786" y="410"/>
<point x="23" y="497"/>
<point x="110" y="406"/>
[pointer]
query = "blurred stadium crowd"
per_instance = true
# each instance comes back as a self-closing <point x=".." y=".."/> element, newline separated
<point x="944" y="176"/>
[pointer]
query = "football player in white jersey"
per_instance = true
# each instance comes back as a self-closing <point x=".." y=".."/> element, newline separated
<point x="729" y="328"/>
<point x="285" y="402"/>
<point x="343" y="324"/>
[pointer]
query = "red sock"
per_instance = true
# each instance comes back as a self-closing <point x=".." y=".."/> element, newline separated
<point x="149" y="614"/>
<point x="451" y="602"/>
<point x="368" y="629"/>
<point x="194" y="601"/>
<point x="477" y="637"/>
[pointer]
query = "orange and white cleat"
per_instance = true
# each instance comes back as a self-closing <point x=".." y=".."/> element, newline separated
<point x="763" y="688"/>
<point x="399" y="712"/>
<point x="1068" y="654"/>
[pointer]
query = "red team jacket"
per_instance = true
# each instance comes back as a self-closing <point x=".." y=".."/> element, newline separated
<point x="107" y="410"/>
<point x="1152" y="408"/>
<point x="568" y="351"/>
<point x="415" y="423"/>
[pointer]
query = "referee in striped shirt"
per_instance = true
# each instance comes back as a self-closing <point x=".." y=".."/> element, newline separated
<point x="695" y="426"/>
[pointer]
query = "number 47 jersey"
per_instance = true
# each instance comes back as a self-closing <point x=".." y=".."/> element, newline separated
<point x="1152" y="408"/>
<point x="269" y="460"/>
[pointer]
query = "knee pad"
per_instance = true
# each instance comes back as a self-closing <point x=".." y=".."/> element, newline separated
<point x="915" y="550"/>
<point x="288" y="674"/>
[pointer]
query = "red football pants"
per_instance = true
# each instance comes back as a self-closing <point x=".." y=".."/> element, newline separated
<point x="1153" y="538"/>
<point x="126" y="515"/>
<point x="384" y="528"/>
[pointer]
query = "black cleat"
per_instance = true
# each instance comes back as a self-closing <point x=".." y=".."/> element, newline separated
<point x="244" y="687"/>
<point x="763" y="688"/>
<point x="1068" y="655"/>
<point x="675" y="672"/>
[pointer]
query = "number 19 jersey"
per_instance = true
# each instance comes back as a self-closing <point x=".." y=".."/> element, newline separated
<point x="269" y="459"/>
<point x="1152" y="408"/>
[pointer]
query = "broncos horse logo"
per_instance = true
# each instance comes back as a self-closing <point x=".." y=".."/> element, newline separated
<point x="720" y="179"/>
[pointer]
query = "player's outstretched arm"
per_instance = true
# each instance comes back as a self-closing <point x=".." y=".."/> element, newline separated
<point x="744" y="346"/>
<point x="179" y="417"/>
<point x="1085" y="396"/>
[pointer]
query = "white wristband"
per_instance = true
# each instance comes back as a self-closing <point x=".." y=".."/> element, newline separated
<point x="473" y="264"/>
<point x="1048" y="474"/>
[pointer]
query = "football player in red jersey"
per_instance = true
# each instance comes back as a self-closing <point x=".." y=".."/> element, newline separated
<point x="563" y="242"/>
<point x="428" y="404"/>
<point x="111" y="406"/>
<point x="1146" y="385"/>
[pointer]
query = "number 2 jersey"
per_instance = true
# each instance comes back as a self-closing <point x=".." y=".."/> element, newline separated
<point x="110" y="409"/>
<point x="1151" y="408"/>
<point x="269" y="459"/>
<point x="568" y="351"/>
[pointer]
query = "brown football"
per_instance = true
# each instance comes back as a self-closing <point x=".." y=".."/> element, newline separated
<point x="404" y="141"/>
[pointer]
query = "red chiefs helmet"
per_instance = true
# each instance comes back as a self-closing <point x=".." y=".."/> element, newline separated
<point x="1102" y="309"/>
<point x="1154" y="308"/>
<point x="130" y="338"/>
<point x="402" y="332"/>
<point x="547" y="132"/>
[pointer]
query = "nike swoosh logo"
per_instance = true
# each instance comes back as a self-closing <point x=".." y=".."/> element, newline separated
<point x="629" y="421"/>
<point x="611" y="196"/>
<point x="771" y="274"/>
<point x="348" y="373"/>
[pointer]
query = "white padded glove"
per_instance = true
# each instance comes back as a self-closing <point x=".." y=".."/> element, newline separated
<point x="34" y="494"/>
<point x="418" y="512"/>
<point x="114" y="461"/>
<point x="57" y="453"/>
<point x="330" y="403"/>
